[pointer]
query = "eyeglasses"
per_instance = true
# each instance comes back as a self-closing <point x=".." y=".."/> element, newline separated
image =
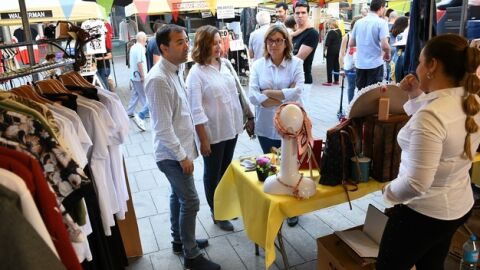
<point x="277" y="42"/>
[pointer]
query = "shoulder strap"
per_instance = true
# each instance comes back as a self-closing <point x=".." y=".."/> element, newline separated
<point x="348" y="40"/>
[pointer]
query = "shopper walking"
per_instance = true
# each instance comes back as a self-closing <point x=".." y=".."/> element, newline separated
<point x="255" y="43"/>
<point x="331" y="51"/>
<point x="138" y="70"/>
<point x="432" y="193"/>
<point x="174" y="142"/>
<point x="347" y="60"/>
<point x="370" y="36"/>
<point x="216" y="110"/>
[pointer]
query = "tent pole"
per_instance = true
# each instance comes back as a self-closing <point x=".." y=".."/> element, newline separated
<point x="463" y="19"/>
<point x="430" y="20"/>
<point x="28" y="34"/>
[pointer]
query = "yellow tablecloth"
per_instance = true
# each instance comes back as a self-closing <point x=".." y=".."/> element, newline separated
<point x="239" y="193"/>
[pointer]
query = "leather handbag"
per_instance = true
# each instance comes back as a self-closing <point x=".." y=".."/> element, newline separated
<point x="335" y="156"/>
<point x="247" y="112"/>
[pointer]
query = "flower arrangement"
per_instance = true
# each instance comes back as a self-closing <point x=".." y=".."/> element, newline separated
<point x="264" y="168"/>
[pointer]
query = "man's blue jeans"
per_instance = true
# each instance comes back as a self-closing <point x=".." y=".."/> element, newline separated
<point x="351" y="77"/>
<point x="184" y="205"/>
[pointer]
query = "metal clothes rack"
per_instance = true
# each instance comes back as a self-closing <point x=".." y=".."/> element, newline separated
<point x="22" y="72"/>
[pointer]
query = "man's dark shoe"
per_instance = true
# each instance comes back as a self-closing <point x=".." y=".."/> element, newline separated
<point x="224" y="225"/>
<point x="200" y="263"/>
<point x="292" y="221"/>
<point x="178" y="247"/>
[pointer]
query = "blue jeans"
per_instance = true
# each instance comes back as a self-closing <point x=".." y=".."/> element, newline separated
<point x="351" y="77"/>
<point x="184" y="205"/>
<point x="267" y="144"/>
<point x="103" y="74"/>
<point x="138" y="95"/>
<point x="215" y="166"/>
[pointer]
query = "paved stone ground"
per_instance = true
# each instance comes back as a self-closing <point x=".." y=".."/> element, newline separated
<point x="233" y="250"/>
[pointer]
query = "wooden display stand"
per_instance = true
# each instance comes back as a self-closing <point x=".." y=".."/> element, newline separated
<point x="129" y="228"/>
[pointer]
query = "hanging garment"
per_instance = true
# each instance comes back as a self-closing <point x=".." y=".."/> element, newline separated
<point x="418" y="33"/>
<point x="25" y="248"/>
<point x="95" y="27"/>
<point x="45" y="200"/>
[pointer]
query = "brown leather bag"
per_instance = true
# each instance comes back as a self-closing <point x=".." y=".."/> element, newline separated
<point x="380" y="143"/>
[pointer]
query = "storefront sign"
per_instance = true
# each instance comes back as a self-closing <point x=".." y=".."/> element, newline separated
<point x="185" y="5"/>
<point x="31" y="15"/>
<point x="225" y="12"/>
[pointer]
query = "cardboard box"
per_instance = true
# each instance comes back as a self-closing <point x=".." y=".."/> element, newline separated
<point x="333" y="254"/>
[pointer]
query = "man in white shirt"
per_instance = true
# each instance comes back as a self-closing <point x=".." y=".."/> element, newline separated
<point x="257" y="38"/>
<point x="174" y="142"/>
<point x="138" y="70"/>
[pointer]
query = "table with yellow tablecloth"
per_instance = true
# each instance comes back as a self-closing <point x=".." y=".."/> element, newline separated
<point x="239" y="193"/>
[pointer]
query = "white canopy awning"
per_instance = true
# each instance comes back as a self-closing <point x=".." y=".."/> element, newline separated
<point x="162" y="6"/>
<point x="48" y="10"/>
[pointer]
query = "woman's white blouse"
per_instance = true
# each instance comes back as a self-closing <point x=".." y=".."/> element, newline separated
<point x="433" y="178"/>
<point x="214" y="101"/>
<point x="266" y="75"/>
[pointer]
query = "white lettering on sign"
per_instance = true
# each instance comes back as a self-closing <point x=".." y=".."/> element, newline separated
<point x="225" y="12"/>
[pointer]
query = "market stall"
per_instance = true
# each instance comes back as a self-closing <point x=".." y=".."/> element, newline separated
<point x="49" y="10"/>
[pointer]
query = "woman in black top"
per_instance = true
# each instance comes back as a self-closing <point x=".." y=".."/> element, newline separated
<point x="331" y="51"/>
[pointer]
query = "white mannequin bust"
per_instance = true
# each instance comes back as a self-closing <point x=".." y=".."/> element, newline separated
<point x="291" y="118"/>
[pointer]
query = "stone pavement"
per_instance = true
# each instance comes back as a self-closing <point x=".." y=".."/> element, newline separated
<point x="232" y="250"/>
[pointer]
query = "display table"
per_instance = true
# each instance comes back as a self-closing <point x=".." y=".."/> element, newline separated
<point x="239" y="193"/>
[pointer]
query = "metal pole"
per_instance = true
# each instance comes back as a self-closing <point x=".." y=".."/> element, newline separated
<point x="430" y="19"/>
<point x="28" y="34"/>
<point x="463" y="19"/>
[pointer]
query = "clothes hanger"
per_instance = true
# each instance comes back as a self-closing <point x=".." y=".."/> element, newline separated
<point x="27" y="91"/>
<point x="49" y="86"/>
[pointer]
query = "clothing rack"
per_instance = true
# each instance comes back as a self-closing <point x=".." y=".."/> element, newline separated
<point x="22" y="72"/>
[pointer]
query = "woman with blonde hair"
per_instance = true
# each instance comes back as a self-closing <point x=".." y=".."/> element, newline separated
<point x="432" y="192"/>
<point x="216" y="109"/>
<point x="275" y="78"/>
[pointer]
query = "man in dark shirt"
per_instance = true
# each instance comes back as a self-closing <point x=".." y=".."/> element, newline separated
<point x="304" y="46"/>
<point x="153" y="53"/>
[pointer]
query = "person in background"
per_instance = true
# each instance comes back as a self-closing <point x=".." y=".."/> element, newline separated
<point x="346" y="59"/>
<point x="281" y="11"/>
<point x="304" y="43"/>
<point x="370" y="36"/>
<point x="331" y="51"/>
<point x="174" y="142"/>
<point x="275" y="78"/>
<point x="255" y="44"/>
<point x="399" y="33"/>
<point x="432" y="194"/>
<point x="290" y="24"/>
<point x="364" y="11"/>
<point x="216" y="110"/>
<point x="153" y="54"/>
<point x="391" y="16"/>
<point x="138" y="71"/>
<point x="386" y="16"/>
<point x="103" y="67"/>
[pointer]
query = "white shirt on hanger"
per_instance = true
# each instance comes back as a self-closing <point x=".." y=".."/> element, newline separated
<point x="94" y="27"/>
